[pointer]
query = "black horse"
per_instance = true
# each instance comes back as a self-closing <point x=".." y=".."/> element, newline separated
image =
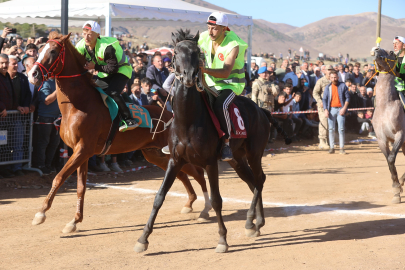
<point x="194" y="139"/>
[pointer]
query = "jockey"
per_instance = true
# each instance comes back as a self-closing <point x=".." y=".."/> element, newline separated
<point x="225" y="55"/>
<point x="105" y="55"/>
<point x="399" y="49"/>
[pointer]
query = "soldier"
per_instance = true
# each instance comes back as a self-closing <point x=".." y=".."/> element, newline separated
<point x="323" y="120"/>
<point x="263" y="91"/>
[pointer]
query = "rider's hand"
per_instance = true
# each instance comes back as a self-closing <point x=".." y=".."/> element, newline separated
<point x="201" y="64"/>
<point x="89" y="65"/>
<point x="6" y="31"/>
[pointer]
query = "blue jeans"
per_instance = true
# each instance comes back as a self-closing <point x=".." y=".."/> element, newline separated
<point x="333" y="116"/>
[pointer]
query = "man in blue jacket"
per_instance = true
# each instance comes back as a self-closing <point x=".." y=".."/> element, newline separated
<point x="335" y="101"/>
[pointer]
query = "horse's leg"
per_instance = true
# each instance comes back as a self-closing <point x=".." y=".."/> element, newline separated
<point x="243" y="170"/>
<point x="171" y="172"/>
<point x="198" y="174"/>
<point x="155" y="156"/>
<point x="391" y="156"/>
<point x="216" y="201"/>
<point x="81" y="190"/>
<point x="77" y="159"/>
<point x="402" y="179"/>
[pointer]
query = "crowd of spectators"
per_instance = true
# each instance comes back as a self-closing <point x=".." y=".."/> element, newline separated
<point x="289" y="83"/>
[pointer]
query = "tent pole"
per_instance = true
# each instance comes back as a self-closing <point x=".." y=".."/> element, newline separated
<point x="249" y="50"/>
<point x="108" y="21"/>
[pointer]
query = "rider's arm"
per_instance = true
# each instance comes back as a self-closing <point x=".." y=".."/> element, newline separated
<point x="111" y="59"/>
<point x="224" y="72"/>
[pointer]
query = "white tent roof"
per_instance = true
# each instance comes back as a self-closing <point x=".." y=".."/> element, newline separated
<point x="25" y="10"/>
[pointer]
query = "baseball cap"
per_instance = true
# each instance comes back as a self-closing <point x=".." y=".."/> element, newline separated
<point x="94" y="26"/>
<point x="262" y="70"/>
<point x="369" y="89"/>
<point x="167" y="59"/>
<point x="402" y="39"/>
<point x="329" y="67"/>
<point x="218" y="18"/>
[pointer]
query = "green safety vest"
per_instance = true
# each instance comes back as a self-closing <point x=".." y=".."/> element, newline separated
<point x="399" y="83"/>
<point x="102" y="43"/>
<point x="235" y="81"/>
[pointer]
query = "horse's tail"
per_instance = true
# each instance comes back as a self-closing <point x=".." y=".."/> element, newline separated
<point x="275" y="124"/>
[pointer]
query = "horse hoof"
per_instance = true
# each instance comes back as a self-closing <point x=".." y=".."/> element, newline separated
<point x="70" y="227"/>
<point x="186" y="210"/>
<point x="39" y="218"/>
<point x="221" y="248"/>
<point x="396" y="199"/>
<point x="140" y="247"/>
<point x="252" y="233"/>
<point x="204" y="217"/>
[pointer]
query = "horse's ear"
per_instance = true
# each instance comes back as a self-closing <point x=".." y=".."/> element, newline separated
<point x="197" y="36"/>
<point x="174" y="39"/>
<point x="67" y="37"/>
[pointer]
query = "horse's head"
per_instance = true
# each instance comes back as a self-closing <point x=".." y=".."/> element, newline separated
<point x="186" y="57"/>
<point x="47" y="64"/>
<point x="385" y="61"/>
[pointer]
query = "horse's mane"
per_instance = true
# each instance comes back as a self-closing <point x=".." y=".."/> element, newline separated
<point x="69" y="46"/>
<point x="182" y="35"/>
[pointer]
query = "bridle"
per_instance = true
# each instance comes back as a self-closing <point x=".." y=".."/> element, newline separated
<point x="51" y="72"/>
<point x="386" y="61"/>
<point x="179" y="76"/>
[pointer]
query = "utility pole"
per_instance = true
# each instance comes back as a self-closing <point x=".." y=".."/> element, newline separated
<point x="379" y="24"/>
<point x="64" y="17"/>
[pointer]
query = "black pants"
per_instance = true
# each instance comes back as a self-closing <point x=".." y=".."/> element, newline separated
<point x="46" y="141"/>
<point x="113" y="86"/>
<point x="221" y="105"/>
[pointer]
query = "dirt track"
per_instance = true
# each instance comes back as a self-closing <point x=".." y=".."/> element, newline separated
<point x="322" y="212"/>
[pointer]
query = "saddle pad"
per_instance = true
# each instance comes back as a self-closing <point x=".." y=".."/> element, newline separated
<point x="139" y="113"/>
<point x="238" y="130"/>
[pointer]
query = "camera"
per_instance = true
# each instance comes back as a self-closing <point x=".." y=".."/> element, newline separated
<point x="13" y="31"/>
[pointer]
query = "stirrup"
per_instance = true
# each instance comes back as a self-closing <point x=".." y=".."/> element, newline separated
<point x="124" y="126"/>
<point x="166" y="150"/>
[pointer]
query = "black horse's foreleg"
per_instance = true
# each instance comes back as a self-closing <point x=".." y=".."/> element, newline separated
<point x="172" y="170"/>
<point x="216" y="202"/>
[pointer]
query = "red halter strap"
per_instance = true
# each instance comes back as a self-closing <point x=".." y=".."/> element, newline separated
<point x="46" y="74"/>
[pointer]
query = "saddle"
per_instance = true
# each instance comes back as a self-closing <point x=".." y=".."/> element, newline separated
<point x="238" y="130"/>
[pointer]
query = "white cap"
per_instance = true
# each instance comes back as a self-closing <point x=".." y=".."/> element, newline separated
<point x="94" y="26"/>
<point x="218" y="18"/>
<point x="402" y="39"/>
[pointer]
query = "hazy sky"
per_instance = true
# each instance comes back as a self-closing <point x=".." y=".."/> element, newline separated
<point x="302" y="12"/>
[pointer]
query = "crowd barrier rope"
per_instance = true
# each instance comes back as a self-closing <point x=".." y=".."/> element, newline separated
<point x="316" y="111"/>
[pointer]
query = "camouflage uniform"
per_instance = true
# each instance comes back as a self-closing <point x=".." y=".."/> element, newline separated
<point x="323" y="120"/>
<point x="263" y="93"/>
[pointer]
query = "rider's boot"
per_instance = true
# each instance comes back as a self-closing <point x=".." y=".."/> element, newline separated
<point x="128" y="123"/>
<point x="226" y="154"/>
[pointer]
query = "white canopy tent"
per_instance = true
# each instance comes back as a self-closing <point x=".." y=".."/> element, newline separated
<point x="49" y="11"/>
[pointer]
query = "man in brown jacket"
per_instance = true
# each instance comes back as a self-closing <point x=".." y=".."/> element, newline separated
<point x="263" y="91"/>
<point x="323" y="120"/>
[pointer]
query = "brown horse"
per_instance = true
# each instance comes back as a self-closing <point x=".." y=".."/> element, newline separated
<point x="389" y="116"/>
<point x="86" y="123"/>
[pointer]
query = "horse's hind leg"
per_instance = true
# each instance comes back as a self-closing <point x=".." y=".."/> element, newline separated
<point x="72" y="164"/>
<point x="155" y="156"/>
<point x="256" y="210"/>
<point x="81" y="190"/>
<point x="171" y="172"/>
<point x="402" y="179"/>
<point x="198" y="174"/>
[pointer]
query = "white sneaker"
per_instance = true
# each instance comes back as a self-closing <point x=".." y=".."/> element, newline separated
<point x="166" y="150"/>
<point x="104" y="167"/>
<point x="115" y="167"/>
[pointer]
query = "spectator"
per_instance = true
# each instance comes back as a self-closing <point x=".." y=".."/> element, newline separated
<point x="32" y="50"/>
<point x="323" y="70"/>
<point x="351" y="116"/>
<point x="365" y="69"/>
<point x="7" y="102"/>
<point x="148" y="96"/>
<point x="343" y="76"/>
<point x="315" y="76"/>
<point x="46" y="137"/>
<point x="364" y="99"/>
<point x="135" y="97"/>
<point x="282" y="118"/>
<point x="19" y="43"/>
<point x="157" y="74"/>
<point x="305" y="73"/>
<point x="335" y="101"/>
<point x="364" y="122"/>
<point x="28" y="63"/>
<point x="303" y="88"/>
<point x="290" y="74"/>
<point x="348" y="83"/>
<point x="357" y="77"/>
<point x="350" y="68"/>
<point x="369" y="80"/>
<point x="263" y="64"/>
<point x="280" y="72"/>
<point x="263" y="91"/>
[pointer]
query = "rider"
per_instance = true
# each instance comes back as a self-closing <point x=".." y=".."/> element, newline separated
<point x="399" y="49"/>
<point x="225" y="55"/>
<point x="105" y="55"/>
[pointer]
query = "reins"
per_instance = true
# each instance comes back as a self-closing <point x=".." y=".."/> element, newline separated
<point x="383" y="72"/>
<point x="51" y="72"/>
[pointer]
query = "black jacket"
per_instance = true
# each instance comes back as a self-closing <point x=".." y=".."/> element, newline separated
<point x="25" y="95"/>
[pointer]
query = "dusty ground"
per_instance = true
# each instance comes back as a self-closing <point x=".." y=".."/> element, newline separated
<point x="323" y="212"/>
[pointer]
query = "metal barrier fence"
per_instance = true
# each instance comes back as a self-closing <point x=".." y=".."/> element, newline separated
<point x="16" y="132"/>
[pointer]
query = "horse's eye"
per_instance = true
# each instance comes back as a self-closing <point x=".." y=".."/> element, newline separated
<point x="53" y="52"/>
